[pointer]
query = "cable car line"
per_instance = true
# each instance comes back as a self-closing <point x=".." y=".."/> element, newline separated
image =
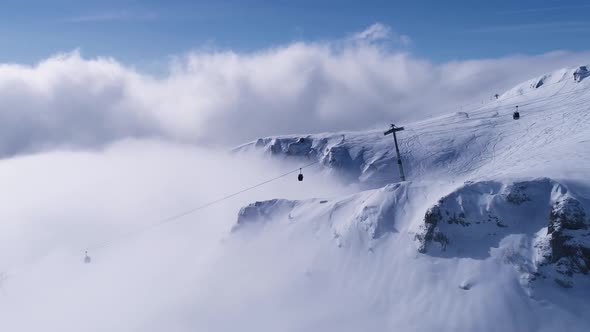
<point x="176" y="217"/>
<point x="491" y="109"/>
<point x="481" y="110"/>
<point x="489" y="105"/>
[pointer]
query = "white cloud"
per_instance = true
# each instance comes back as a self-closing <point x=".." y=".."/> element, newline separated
<point x="379" y="32"/>
<point x="374" y="32"/>
<point x="228" y="98"/>
<point x="141" y="279"/>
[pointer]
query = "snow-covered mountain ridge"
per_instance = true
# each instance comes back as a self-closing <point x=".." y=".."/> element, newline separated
<point x="484" y="191"/>
<point x="551" y="225"/>
<point x="478" y="143"/>
<point x="551" y="139"/>
<point x="548" y="222"/>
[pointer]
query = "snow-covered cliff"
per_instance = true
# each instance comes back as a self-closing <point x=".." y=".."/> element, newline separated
<point x="495" y="207"/>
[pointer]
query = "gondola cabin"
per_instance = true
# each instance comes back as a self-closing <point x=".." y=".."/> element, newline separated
<point x="87" y="258"/>
<point x="516" y="115"/>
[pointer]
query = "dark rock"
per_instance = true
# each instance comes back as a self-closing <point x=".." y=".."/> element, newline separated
<point x="517" y="194"/>
<point x="465" y="285"/>
<point x="539" y="83"/>
<point x="565" y="283"/>
<point x="500" y="224"/>
<point x="581" y="73"/>
<point x="567" y="214"/>
<point x="264" y="210"/>
<point x="301" y="147"/>
<point x="345" y="166"/>
<point x="260" y="143"/>
<point x="459" y="220"/>
<point x="569" y="238"/>
<point x="429" y="230"/>
<point x="275" y="147"/>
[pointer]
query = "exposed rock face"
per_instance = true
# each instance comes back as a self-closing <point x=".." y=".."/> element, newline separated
<point x="475" y="218"/>
<point x="302" y="146"/>
<point x="517" y="194"/>
<point x="431" y="232"/>
<point x="347" y="161"/>
<point x="569" y="237"/>
<point x="566" y="214"/>
<point x="581" y="73"/>
<point x="263" y="211"/>
<point x="539" y="83"/>
<point x="294" y="147"/>
<point x="338" y="159"/>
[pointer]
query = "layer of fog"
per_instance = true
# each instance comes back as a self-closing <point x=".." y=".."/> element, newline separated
<point x="195" y="274"/>
<point x="225" y="97"/>
<point x="59" y="203"/>
<point x="67" y="200"/>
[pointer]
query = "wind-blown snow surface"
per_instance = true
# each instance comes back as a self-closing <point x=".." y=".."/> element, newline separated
<point x="490" y="233"/>
<point x="483" y="142"/>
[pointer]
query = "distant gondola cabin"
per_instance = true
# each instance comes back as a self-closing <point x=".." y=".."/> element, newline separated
<point x="516" y="115"/>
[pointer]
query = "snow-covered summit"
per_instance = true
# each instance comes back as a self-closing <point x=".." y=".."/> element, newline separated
<point x="558" y="81"/>
<point x="483" y="142"/>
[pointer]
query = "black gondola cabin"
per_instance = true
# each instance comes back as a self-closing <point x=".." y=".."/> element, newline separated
<point x="516" y="115"/>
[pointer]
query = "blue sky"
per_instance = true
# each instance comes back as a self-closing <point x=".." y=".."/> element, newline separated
<point x="144" y="31"/>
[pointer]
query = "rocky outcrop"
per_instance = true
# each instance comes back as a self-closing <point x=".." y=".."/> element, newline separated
<point x="476" y="217"/>
<point x="471" y="219"/>
<point x="292" y="146"/>
<point x="430" y="231"/>
<point x="581" y="73"/>
<point x="569" y="238"/>
<point x="263" y="211"/>
<point x="517" y="193"/>
<point x="539" y="83"/>
<point x="345" y="161"/>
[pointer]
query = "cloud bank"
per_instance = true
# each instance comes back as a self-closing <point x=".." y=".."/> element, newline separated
<point x="226" y="98"/>
<point x="59" y="203"/>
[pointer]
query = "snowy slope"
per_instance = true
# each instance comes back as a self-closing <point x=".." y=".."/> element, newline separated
<point x="494" y="264"/>
<point x="492" y="230"/>
<point x="478" y="143"/>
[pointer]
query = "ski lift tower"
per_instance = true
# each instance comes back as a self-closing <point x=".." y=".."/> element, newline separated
<point x="393" y="130"/>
